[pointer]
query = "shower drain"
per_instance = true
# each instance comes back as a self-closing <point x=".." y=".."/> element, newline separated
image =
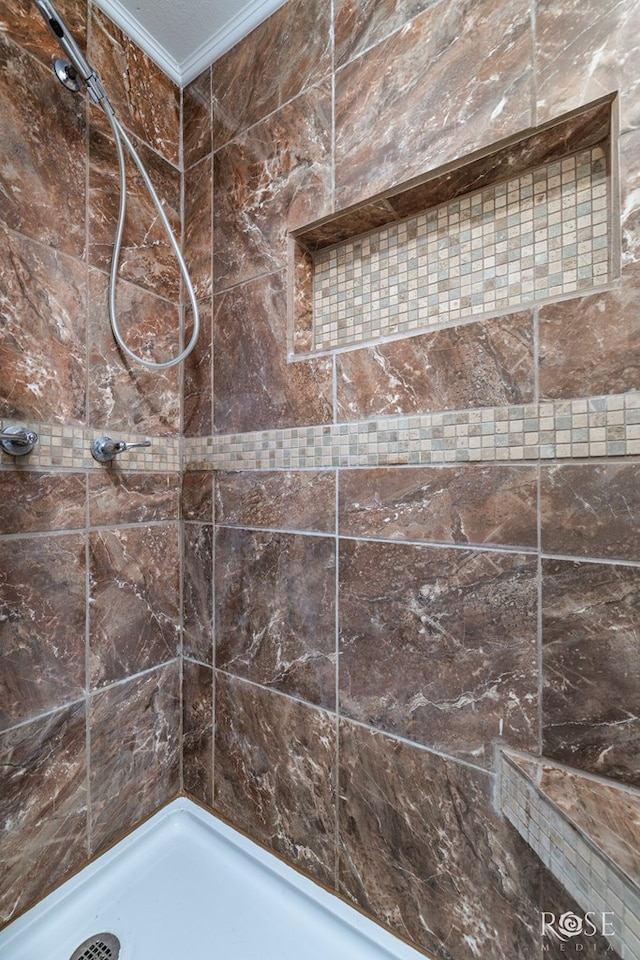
<point x="102" y="946"/>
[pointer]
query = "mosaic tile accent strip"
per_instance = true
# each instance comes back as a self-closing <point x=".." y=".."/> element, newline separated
<point x="541" y="235"/>
<point x="591" y="427"/>
<point x="592" y="879"/>
<point x="69" y="446"/>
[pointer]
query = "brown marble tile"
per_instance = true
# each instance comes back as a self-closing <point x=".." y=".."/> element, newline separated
<point x="289" y="52"/>
<point x="584" y="50"/>
<point x="43" y="807"/>
<point x="591" y="671"/>
<point x="43" y="133"/>
<point x="132" y="497"/>
<point x="591" y="345"/>
<point x="276" y="177"/>
<point x="197" y="124"/>
<point x="34" y="502"/>
<point x="197" y="736"/>
<point x="254" y="387"/>
<point x="439" y="645"/>
<point x="197" y="389"/>
<point x="198" y="226"/>
<point x="133" y="623"/>
<point x="197" y="496"/>
<point x="591" y="510"/>
<point x="23" y="23"/>
<point x="135" y="747"/>
<point x="281" y="500"/>
<point x="197" y="606"/>
<point x="42" y="349"/>
<point x="124" y="395"/>
<point x="485" y="363"/>
<point x="360" y="24"/>
<point x="274" y="773"/>
<point x="455" y="79"/>
<point x="146" y="256"/>
<point x="275" y="611"/>
<point x="423" y="852"/>
<point x="42" y="624"/>
<point x="146" y="101"/>
<point x="455" y="504"/>
<point x="555" y="901"/>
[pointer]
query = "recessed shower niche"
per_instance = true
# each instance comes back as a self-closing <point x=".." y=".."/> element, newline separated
<point x="523" y="223"/>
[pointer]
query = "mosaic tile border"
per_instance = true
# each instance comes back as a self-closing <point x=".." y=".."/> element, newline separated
<point x="538" y="236"/>
<point x="591" y="427"/>
<point x="68" y="446"/>
<point x="587" y="874"/>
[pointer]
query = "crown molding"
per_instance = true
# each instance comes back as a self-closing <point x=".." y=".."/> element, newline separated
<point x="251" y="15"/>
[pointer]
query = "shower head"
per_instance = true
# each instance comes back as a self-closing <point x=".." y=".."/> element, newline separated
<point x="77" y="68"/>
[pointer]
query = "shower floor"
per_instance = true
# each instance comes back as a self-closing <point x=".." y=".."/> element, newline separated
<point x="186" y="885"/>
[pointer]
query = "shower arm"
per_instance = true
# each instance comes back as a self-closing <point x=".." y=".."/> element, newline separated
<point x="68" y="73"/>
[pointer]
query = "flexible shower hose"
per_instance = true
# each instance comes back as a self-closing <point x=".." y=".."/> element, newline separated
<point x="120" y="136"/>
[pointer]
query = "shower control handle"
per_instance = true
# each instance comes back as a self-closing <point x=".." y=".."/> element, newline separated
<point x="17" y="441"/>
<point x="105" y="449"/>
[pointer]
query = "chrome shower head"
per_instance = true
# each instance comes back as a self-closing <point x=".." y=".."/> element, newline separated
<point x="76" y="69"/>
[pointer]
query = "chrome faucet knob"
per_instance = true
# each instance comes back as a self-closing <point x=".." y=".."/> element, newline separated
<point x="105" y="449"/>
<point x="17" y="441"/>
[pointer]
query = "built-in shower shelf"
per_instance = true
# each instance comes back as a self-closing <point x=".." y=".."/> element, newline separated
<point x="586" y="830"/>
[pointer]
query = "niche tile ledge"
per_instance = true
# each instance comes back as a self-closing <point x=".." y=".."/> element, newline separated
<point x="586" y="830"/>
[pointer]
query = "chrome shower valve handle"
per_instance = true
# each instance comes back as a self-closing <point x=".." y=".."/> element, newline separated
<point x="104" y="450"/>
<point x="17" y="441"/>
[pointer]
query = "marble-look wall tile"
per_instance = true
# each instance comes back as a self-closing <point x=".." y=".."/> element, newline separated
<point x="591" y="510"/>
<point x="455" y="79"/>
<point x="132" y="497"/>
<point x="274" y="773"/>
<point x="458" y="504"/>
<point x="591" y="669"/>
<point x="197" y="604"/>
<point x="36" y="502"/>
<point x="146" y="257"/>
<point x="43" y="807"/>
<point x="42" y="624"/>
<point x="135" y="752"/>
<point x="123" y="395"/>
<point x="197" y="122"/>
<point x="197" y="387"/>
<point x="290" y="500"/>
<point x="197" y="496"/>
<point x="275" y="611"/>
<point x="42" y="320"/>
<point x="481" y="364"/>
<point x="591" y="345"/>
<point x="134" y="590"/>
<point x="360" y="24"/>
<point x="439" y="645"/>
<point x="272" y="179"/>
<point x="584" y="50"/>
<point x="43" y="133"/>
<point x="146" y="101"/>
<point x="23" y="23"/>
<point x="422" y="850"/>
<point x="197" y="731"/>
<point x="254" y="387"/>
<point x="289" y="52"/>
<point x="198" y="225"/>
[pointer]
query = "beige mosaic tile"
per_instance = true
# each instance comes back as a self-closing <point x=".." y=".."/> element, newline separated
<point x="541" y="235"/>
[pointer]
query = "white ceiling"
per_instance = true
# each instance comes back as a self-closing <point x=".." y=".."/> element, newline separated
<point x="184" y="37"/>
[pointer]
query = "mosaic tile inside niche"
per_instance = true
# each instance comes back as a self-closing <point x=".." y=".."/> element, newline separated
<point x="538" y="236"/>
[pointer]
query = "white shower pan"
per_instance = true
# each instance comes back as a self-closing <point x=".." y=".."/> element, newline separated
<point x="185" y="885"/>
